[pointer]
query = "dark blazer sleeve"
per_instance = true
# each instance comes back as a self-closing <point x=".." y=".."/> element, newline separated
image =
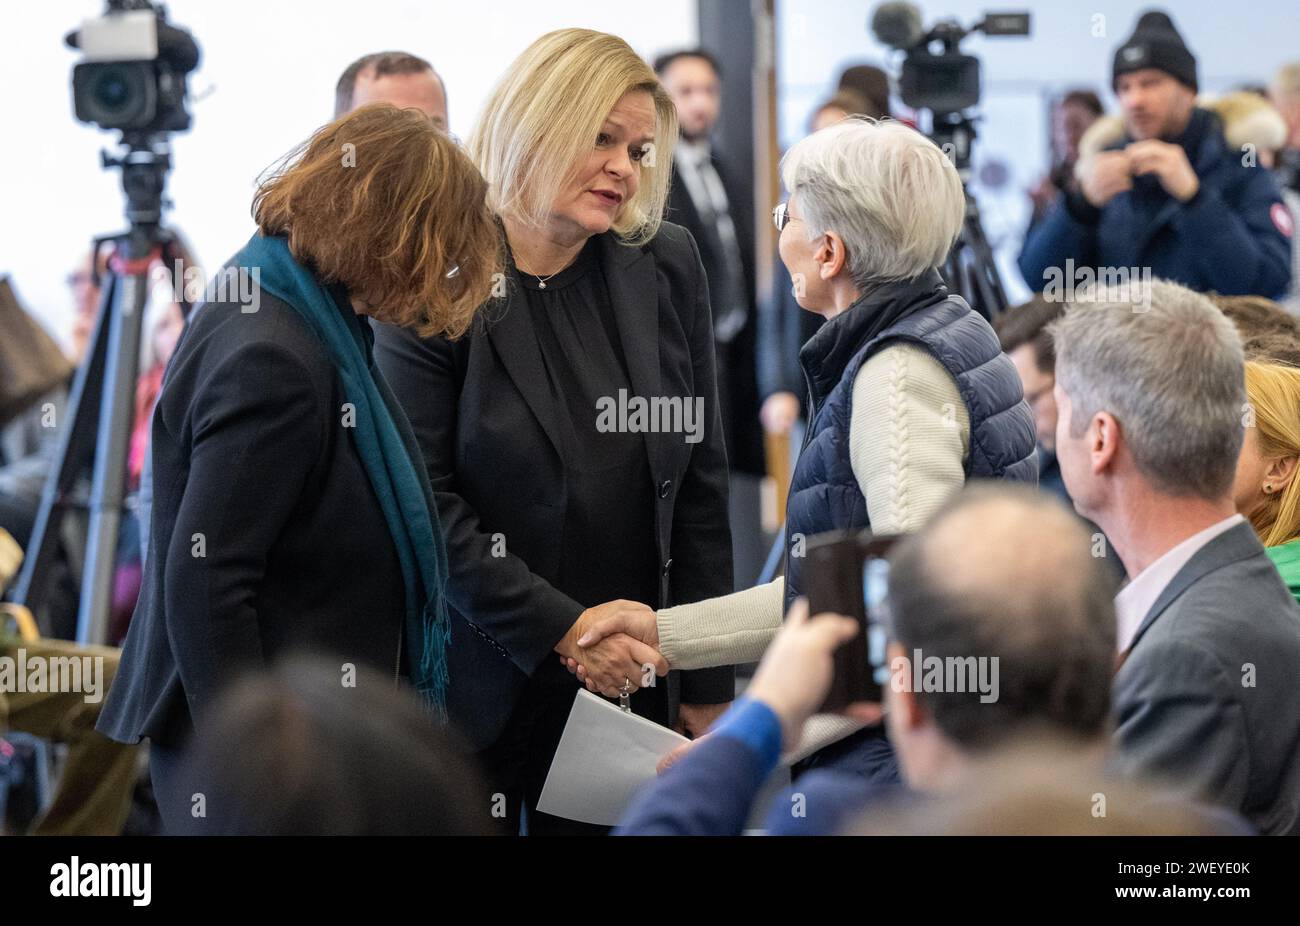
<point x="256" y="430"/>
<point x="1176" y="721"/>
<point x="522" y="612"/>
<point x="701" y="534"/>
<point x="1061" y="235"/>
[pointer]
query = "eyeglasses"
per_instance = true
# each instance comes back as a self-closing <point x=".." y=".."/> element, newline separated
<point x="781" y="217"/>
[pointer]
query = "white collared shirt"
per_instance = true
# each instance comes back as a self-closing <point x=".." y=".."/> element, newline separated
<point x="1135" y="599"/>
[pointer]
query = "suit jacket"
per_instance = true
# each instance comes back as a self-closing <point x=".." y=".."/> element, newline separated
<point x="265" y="536"/>
<point x="737" y="359"/>
<point x="486" y="424"/>
<point x="1208" y="696"/>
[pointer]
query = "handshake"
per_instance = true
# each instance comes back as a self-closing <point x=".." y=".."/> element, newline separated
<point x="1106" y="174"/>
<point x="613" y="648"/>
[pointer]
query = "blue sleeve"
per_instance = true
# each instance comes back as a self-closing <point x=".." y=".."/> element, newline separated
<point x="824" y="802"/>
<point x="1057" y="238"/>
<point x="1240" y="248"/>
<point x="711" y="790"/>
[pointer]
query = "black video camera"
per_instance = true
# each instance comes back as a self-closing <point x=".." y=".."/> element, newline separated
<point x="132" y="76"/>
<point x="936" y="75"/>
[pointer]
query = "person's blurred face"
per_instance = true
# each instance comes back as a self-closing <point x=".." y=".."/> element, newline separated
<point x="85" y="301"/>
<point x="1289" y="106"/>
<point x="1039" y="388"/>
<point x="1068" y="125"/>
<point x="828" y="116"/>
<point x="422" y="91"/>
<point x="697" y="92"/>
<point x="1254" y="471"/>
<point x="1154" y="104"/>
<point x="611" y="174"/>
<point x="167" y="333"/>
<point x="804" y="260"/>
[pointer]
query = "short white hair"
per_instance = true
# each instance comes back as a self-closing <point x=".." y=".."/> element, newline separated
<point x="884" y="188"/>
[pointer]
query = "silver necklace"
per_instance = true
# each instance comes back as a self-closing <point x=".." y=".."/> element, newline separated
<point x="541" y="282"/>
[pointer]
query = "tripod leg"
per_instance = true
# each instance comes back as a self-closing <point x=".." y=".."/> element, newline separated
<point x="116" y="411"/>
<point x="986" y="264"/>
<point x="73" y="457"/>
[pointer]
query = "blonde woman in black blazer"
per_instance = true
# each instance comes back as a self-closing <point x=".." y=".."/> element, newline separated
<point x="558" y="502"/>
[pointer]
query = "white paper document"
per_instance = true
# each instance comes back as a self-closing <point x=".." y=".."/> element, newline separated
<point x="604" y="757"/>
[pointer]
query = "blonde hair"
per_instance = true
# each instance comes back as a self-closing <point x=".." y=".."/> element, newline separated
<point x="542" y="119"/>
<point x="1274" y="393"/>
<point x="884" y="188"/>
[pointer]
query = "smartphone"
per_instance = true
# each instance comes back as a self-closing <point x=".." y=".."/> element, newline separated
<point x="847" y="573"/>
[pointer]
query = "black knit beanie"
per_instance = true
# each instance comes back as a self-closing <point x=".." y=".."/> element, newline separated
<point x="1155" y="43"/>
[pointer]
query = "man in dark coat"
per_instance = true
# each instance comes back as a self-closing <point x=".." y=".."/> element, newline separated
<point x="716" y="207"/>
<point x="1170" y="199"/>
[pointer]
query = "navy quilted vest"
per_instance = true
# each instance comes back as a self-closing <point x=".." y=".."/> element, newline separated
<point x="824" y="493"/>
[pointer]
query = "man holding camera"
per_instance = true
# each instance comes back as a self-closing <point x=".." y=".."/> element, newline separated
<point x="1050" y="650"/>
<point x="1171" y="195"/>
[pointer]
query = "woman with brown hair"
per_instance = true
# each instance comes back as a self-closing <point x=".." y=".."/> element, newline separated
<point x="290" y="509"/>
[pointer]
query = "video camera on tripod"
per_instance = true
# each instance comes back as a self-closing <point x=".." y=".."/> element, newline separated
<point x="132" y="79"/>
<point x="936" y="77"/>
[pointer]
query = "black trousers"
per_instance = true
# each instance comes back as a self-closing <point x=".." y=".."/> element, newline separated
<point x="171" y="789"/>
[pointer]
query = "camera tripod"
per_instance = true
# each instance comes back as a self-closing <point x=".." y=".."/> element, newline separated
<point x="970" y="269"/>
<point x="96" y="432"/>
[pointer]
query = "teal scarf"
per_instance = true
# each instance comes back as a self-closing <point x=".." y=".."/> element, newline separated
<point x="398" y="480"/>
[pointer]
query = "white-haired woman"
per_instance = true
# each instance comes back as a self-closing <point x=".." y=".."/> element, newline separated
<point x="561" y="486"/>
<point x="910" y="394"/>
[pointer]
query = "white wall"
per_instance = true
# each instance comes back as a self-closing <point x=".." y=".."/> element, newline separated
<point x="270" y="65"/>
<point x="268" y="72"/>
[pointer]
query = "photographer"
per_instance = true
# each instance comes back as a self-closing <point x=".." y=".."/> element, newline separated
<point x="1055" y="648"/>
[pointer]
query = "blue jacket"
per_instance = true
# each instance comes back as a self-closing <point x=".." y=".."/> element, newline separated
<point x="1228" y="238"/>
<point x="824" y="492"/>
<point x="711" y="791"/>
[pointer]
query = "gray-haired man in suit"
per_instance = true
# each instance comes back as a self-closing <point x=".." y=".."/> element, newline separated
<point x="1150" y="388"/>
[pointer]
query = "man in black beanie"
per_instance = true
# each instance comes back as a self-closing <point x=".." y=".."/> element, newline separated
<point x="1170" y="197"/>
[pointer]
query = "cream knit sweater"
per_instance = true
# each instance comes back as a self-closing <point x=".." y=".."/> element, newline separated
<point x="909" y="436"/>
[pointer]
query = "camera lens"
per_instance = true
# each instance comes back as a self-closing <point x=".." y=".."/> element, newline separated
<point x="115" y="95"/>
<point x="110" y="91"/>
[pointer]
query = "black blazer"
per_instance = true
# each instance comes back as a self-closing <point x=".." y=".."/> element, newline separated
<point x="1207" y="698"/>
<point x="737" y="360"/>
<point x="265" y="534"/>
<point x="485" y="421"/>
